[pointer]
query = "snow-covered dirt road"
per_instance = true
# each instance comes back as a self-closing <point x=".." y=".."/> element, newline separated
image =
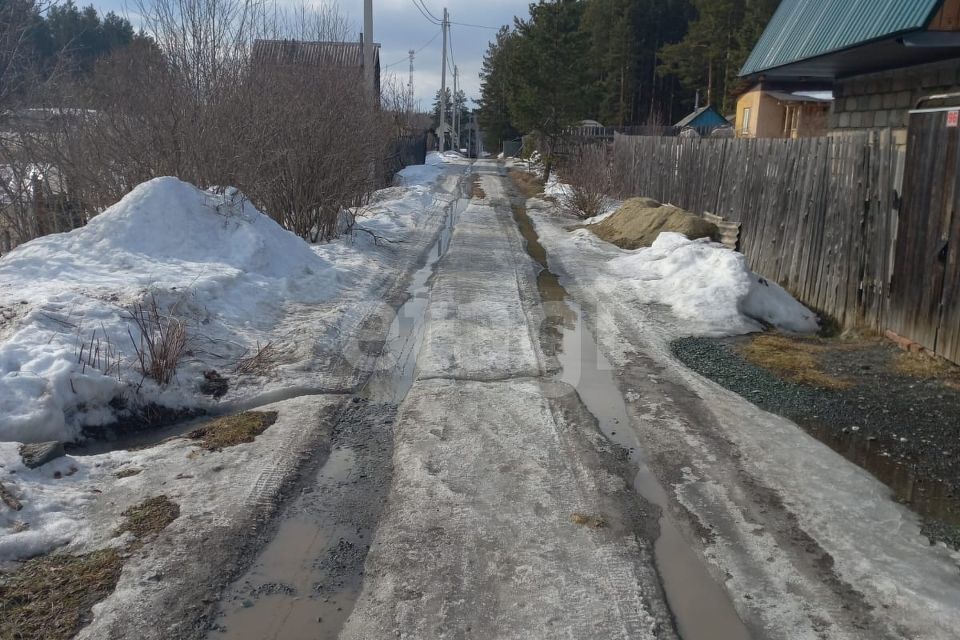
<point x="519" y="456"/>
<point x="499" y="452"/>
<point x="556" y="473"/>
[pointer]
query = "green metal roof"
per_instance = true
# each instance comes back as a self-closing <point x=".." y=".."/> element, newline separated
<point x="804" y="29"/>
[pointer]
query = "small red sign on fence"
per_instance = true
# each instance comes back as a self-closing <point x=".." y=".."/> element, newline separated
<point x="953" y="118"/>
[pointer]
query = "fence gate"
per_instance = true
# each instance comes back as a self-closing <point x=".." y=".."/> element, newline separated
<point x="925" y="289"/>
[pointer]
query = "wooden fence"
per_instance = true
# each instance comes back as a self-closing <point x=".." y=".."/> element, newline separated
<point x="925" y="293"/>
<point x="407" y="150"/>
<point x="818" y="215"/>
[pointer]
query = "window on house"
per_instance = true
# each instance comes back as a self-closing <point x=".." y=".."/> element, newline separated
<point x="746" y="120"/>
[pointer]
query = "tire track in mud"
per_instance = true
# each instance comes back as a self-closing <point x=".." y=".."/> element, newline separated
<point x="305" y="581"/>
<point x="700" y="607"/>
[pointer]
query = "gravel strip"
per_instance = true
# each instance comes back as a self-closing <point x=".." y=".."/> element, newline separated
<point x="904" y="430"/>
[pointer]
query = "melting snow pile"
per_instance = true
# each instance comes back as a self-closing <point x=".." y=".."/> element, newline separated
<point x="423" y="173"/>
<point x="707" y="283"/>
<point x="213" y="258"/>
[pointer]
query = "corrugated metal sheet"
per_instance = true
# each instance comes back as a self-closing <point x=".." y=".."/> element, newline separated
<point x="804" y="29"/>
<point x="298" y="52"/>
<point x="706" y="116"/>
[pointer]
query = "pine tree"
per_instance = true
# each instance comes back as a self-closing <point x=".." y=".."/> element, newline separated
<point x="702" y="60"/>
<point x="494" y="113"/>
<point x="548" y="88"/>
<point x="447" y="104"/>
<point x="715" y="47"/>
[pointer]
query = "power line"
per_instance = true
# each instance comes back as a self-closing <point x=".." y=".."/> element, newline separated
<point x="425" y="45"/>
<point x="426" y="12"/>
<point x="430" y="13"/>
<point x="475" y="26"/>
<point x="429" y="42"/>
<point x="450" y="40"/>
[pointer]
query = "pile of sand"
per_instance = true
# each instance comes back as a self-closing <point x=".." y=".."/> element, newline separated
<point x="640" y="220"/>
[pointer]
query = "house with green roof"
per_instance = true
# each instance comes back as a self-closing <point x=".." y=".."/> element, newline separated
<point x="880" y="58"/>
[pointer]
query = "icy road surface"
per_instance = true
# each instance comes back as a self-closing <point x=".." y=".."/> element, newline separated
<point x="496" y="457"/>
<point x="552" y="472"/>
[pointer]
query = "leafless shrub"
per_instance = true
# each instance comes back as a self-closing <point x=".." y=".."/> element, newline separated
<point x="325" y="138"/>
<point x="261" y="362"/>
<point x="590" y="178"/>
<point x="402" y="109"/>
<point x="162" y="341"/>
<point x="99" y="353"/>
<point x="302" y="143"/>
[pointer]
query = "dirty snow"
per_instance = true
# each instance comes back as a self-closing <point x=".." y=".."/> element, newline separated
<point x="230" y="268"/>
<point x="876" y="545"/>
<point x="704" y="281"/>
<point x="700" y="281"/>
<point x="422" y="173"/>
<point x="231" y="273"/>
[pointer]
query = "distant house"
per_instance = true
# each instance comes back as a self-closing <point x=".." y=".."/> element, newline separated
<point x="764" y="112"/>
<point x="703" y="120"/>
<point x="325" y="55"/>
<point x="880" y="58"/>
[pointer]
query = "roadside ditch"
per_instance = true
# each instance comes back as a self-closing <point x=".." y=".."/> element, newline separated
<point x="701" y="608"/>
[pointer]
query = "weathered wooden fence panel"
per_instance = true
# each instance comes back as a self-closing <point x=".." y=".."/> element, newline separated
<point x="820" y="216"/>
<point x="925" y="292"/>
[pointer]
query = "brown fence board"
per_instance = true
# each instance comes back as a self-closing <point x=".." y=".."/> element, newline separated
<point x="819" y="215"/>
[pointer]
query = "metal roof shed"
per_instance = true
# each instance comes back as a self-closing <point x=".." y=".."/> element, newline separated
<point x="827" y="39"/>
<point x="704" y="118"/>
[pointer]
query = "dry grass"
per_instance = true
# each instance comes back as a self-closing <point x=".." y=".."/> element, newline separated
<point x="924" y="367"/>
<point x="261" y="362"/>
<point x="149" y="517"/>
<point x="793" y="359"/>
<point x="162" y="343"/>
<point x="594" y="522"/>
<point x="52" y="597"/>
<point x="639" y="221"/>
<point x="477" y="191"/>
<point x="529" y="185"/>
<point x="233" y="430"/>
<point x="128" y="472"/>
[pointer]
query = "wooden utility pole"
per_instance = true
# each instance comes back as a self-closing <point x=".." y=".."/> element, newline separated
<point x="456" y="109"/>
<point x="368" y="70"/>
<point x="443" y="86"/>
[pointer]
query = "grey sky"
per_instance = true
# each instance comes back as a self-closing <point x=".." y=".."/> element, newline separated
<point x="399" y="27"/>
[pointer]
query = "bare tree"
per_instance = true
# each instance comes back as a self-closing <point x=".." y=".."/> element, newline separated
<point x="303" y="144"/>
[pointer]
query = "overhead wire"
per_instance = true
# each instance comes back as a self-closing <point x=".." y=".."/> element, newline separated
<point x="475" y="26"/>
<point x="427" y="9"/>
<point x="425" y="45"/>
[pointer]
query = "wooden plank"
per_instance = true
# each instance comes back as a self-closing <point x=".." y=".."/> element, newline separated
<point x="818" y="216"/>
<point x="948" y="258"/>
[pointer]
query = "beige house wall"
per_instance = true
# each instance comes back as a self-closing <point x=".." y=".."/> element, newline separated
<point x="767" y="117"/>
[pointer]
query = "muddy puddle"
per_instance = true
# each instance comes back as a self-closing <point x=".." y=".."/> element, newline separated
<point x="927" y="497"/>
<point x="305" y="581"/>
<point x="701" y="608"/>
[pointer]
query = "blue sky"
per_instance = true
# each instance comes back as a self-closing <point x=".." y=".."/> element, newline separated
<point x="399" y="26"/>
